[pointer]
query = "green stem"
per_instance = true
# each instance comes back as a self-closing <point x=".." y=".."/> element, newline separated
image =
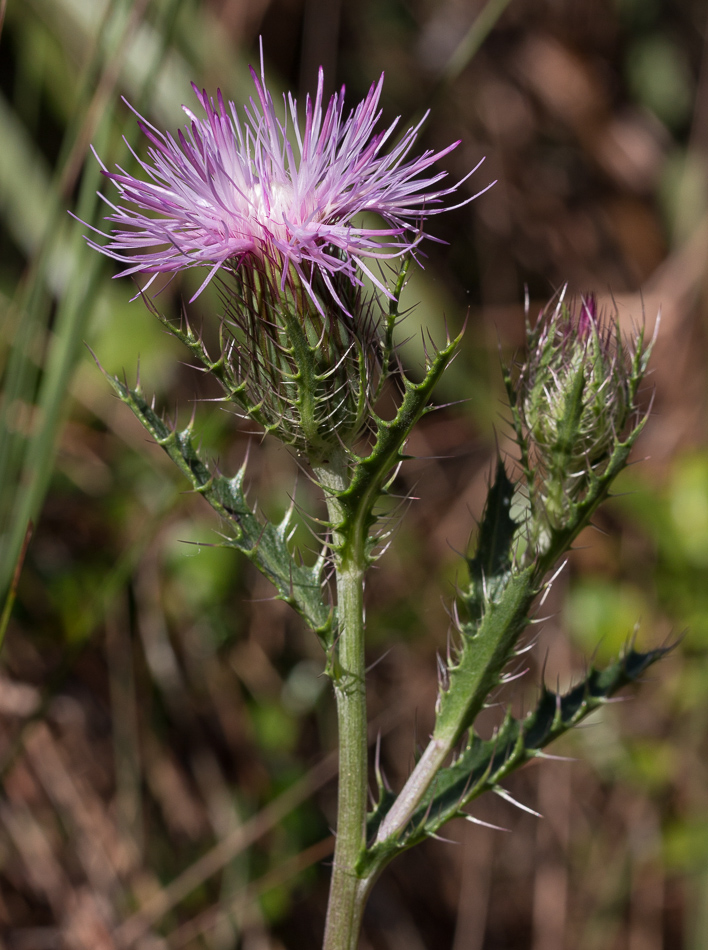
<point x="347" y="667"/>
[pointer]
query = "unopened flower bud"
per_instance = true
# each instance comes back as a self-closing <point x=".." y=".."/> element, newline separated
<point x="574" y="397"/>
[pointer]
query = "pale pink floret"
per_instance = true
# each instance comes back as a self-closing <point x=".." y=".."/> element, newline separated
<point x="224" y="191"/>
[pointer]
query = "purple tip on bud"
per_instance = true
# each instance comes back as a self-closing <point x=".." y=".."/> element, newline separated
<point x="587" y="318"/>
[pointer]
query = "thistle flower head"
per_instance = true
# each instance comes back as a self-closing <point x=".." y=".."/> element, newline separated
<point x="280" y="214"/>
<point x="574" y="396"/>
<point x="574" y="385"/>
<point x="228" y="192"/>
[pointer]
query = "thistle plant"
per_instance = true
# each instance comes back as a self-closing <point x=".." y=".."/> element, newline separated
<point x="307" y="327"/>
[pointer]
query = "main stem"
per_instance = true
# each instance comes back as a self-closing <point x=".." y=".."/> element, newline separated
<point x="348" y="892"/>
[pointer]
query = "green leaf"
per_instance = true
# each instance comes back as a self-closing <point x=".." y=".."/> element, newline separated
<point x="485" y="650"/>
<point x="485" y="763"/>
<point x="489" y="568"/>
<point x="371" y="473"/>
<point x="263" y="543"/>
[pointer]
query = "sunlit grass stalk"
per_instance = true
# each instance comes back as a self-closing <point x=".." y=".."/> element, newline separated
<point x="12" y="592"/>
<point x="26" y="458"/>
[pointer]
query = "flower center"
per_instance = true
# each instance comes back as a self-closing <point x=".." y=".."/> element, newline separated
<point x="270" y="207"/>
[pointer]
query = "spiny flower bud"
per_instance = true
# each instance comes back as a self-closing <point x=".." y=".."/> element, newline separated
<point x="574" y="386"/>
<point x="574" y="396"/>
<point x="306" y="370"/>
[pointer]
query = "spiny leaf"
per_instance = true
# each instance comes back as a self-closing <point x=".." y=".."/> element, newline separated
<point x="484" y="652"/>
<point x="489" y="568"/>
<point x="484" y="763"/>
<point x="371" y="473"/>
<point x="260" y="541"/>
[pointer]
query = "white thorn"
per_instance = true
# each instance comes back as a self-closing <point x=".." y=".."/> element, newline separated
<point x="502" y="793"/>
<point x="485" y="824"/>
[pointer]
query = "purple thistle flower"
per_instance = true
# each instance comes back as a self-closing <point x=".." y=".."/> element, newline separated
<point x="226" y="192"/>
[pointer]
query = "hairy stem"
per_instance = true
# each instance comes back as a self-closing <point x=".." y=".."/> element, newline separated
<point x="347" y="668"/>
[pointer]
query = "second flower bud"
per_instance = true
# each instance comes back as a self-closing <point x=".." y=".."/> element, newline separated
<point x="573" y="398"/>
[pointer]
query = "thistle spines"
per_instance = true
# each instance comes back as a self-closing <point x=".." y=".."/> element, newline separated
<point x="482" y="765"/>
<point x="264" y="543"/>
<point x="490" y="568"/>
<point x="512" y="559"/>
<point x="310" y="368"/>
<point x="571" y="403"/>
<point x="393" y="317"/>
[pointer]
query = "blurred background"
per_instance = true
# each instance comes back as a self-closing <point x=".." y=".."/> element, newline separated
<point x="166" y="735"/>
